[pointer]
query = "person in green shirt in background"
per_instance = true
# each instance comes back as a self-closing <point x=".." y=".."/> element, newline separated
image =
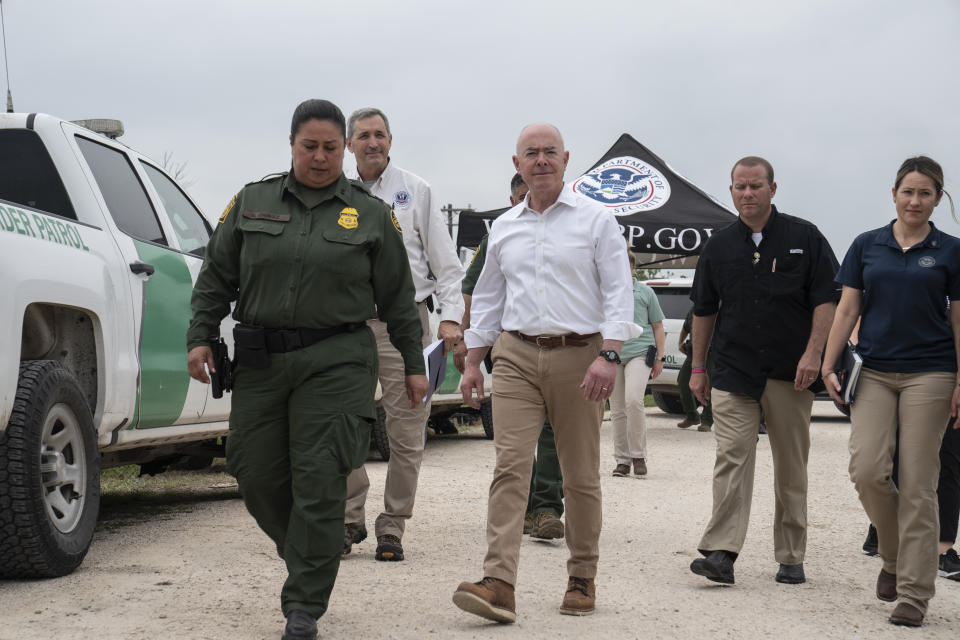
<point x="308" y="256"/>
<point x="705" y="418"/>
<point x="637" y="364"/>
<point x="545" y="501"/>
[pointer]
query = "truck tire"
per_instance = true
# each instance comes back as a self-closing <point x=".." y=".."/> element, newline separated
<point x="49" y="475"/>
<point x="668" y="402"/>
<point x="486" y="417"/>
<point x="378" y="434"/>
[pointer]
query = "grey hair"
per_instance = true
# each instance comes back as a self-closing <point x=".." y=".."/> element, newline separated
<point x="363" y="114"/>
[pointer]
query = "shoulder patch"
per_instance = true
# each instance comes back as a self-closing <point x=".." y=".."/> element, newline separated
<point x="226" y="211"/>
<point x="349" y="218"/>
<point x="396" y="223"/>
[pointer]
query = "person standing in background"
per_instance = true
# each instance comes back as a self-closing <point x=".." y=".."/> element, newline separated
<point x="430" y="251"/>
<point x="627" y="411"/>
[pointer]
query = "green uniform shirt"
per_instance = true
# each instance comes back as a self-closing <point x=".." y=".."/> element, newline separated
<point x="295" y="257"/>
<point x="476" y="266"/>
<point x="646" y="310"/>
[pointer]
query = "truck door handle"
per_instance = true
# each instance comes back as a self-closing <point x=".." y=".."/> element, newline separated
<point x="142" y="267"/>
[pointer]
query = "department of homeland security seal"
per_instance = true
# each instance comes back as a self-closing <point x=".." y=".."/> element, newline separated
<point x="927" y="261"/>
<point x="625" y="185"/>
<point x="401" y="199"/>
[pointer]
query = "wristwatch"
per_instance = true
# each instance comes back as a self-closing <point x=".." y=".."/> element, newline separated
<point x="610" y="356"/>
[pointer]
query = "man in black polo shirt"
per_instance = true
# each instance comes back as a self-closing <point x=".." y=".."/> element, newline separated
<point x="764" y="292"/>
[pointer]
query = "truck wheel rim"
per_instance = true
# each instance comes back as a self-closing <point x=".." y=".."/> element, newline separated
<point x="63" y="468"/>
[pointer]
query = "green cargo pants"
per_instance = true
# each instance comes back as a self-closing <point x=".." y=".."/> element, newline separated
<point x="297" y="429"/>
<point x="546" y="482"/>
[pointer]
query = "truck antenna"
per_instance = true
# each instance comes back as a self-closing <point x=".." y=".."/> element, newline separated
<point x="6" y="60"/>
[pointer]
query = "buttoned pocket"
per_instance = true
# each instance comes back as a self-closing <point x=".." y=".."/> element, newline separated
<point x="345" y="251"/>
<point x="262" y="237"/>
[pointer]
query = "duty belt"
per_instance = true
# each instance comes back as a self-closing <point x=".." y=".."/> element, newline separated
<point x="284" y="340"/>
<point x="550" y="342"/>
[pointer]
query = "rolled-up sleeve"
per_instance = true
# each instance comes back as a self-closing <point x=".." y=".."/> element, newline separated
<point x="487" y="303"/>
<point x="616" y="285"/>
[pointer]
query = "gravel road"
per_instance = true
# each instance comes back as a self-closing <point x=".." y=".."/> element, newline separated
<point x="204" y="571"/>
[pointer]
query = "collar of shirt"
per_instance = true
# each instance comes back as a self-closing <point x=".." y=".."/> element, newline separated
<point x="567" y="197"/>
<point x="771" y="224"/>
<point x="314" y="197"/>
<point x="354" y="174"/>
<point x="932" y="241"/>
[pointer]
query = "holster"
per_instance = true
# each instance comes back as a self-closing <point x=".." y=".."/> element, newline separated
<point x="250" y="345"/>
<point x="222" y="379"/>
<point x="651" y="356"/>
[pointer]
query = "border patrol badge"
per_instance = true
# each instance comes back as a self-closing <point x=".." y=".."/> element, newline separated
<point x="223" y="216"/>
<point x="396" y="223"/>
<point x="348" y="218"/>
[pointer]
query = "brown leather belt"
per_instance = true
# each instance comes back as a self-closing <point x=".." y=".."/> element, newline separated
<point x="550" y="342"/>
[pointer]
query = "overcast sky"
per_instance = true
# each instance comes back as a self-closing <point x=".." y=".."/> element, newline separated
<point x="834" y="93"/>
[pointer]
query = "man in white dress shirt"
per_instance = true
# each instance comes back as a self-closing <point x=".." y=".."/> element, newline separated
<point x="431" y="251"/>
<point x="555" y="300"/>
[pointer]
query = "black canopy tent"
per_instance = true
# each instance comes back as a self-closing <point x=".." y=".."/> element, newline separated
<point x="665" y="218"/>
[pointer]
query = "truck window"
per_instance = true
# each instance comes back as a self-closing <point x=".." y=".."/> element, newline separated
<point x="27" y="175"/>
<point x="674" y="302"/>
<point x="125" y="197"/>
<point x="191" y="229"/>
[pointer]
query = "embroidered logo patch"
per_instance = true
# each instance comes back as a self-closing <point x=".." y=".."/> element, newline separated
<point x="226" y="211"/>
<point x="927" y="261"/>
<point x="396" y="223"/>
<point x="401" y="199"/>
<point x="348" y="218"/>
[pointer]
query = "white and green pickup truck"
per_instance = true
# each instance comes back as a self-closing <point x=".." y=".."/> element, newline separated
<point x="99" y="249"/>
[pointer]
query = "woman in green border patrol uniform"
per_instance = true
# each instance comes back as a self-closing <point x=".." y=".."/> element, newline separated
<point x="308" y="256"/>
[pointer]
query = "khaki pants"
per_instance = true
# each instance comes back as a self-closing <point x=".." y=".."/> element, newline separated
<point x="908" y="528"/>
<point x="736" y="421"/>
<point x="406" y="430"/>
<point x="627" y="413"/>
<point x="528" y="383"/>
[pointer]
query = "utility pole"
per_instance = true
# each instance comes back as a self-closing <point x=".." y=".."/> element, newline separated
<point x="450" y="210"/>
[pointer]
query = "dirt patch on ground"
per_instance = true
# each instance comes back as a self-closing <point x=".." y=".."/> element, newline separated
<point x="193" y="564"/>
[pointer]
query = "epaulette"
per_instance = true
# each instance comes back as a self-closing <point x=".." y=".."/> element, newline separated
<point x="270" y="177"/>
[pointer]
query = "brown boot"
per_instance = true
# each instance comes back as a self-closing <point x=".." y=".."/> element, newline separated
<point x="887" y="586"/>
<point x="491" y="598"/>
<point x="906" y="615"/>
<point x="639" y="467"/>
<point x="547" y="526"/>
<point x="621" y="471"/>
<point x="580" y="598"/>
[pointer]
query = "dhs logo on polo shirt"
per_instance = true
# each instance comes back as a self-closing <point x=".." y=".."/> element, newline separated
<point x="401" y="199"/>
<point x="927" y="261"/>
<point x="625" y="185"/>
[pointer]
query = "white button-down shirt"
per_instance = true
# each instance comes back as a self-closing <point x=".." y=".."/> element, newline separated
<point x="429" y="245"/>
<point x="561" y="271"/>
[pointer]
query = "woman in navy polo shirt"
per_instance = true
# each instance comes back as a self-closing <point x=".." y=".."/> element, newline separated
<point x="899" y="277"/>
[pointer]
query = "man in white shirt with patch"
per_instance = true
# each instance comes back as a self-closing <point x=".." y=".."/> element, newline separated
<point x="431" y="252"/>
<point x="555" y="299"/>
